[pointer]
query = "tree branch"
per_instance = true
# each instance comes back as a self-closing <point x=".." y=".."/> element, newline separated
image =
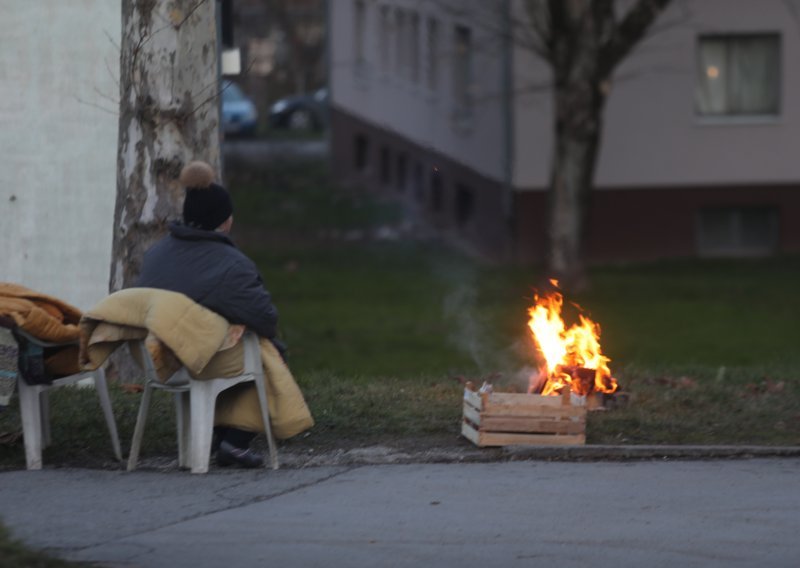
<point x="188" y="15"/>
<point x="793" y="12"/>
<point x="627" y="34"/>
<point x="539" y="32"/>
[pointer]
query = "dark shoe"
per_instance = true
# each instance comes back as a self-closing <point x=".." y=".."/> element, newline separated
<point x="220" y="433"/>
<point x="228" y="454"/>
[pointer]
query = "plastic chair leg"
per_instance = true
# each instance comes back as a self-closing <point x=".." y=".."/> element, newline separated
<point x="101" y="386"/>
<point x="44" y="402"/>
<point x="202" y="398"/>
<point x="138" y="431"/>
<point x="261" y="389"/>
<point x="183" y="413"/>
<point x="30" y="410"/>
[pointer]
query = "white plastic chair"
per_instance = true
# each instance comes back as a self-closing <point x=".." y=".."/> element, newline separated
<point x="195" y="401"/>
<point x="34" y="408"/>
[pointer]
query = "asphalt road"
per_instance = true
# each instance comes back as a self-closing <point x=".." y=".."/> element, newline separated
<point x="654" y="513"/>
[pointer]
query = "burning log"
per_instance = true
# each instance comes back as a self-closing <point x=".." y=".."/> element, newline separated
<point x="581" y="378"/>
<point x="571" y="357"/>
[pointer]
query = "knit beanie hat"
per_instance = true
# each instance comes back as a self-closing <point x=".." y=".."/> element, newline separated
<point x="207" y="204"/>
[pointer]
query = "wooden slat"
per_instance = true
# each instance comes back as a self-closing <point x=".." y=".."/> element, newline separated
<point x="502" y="424"/>
<point x="470" y="433"/>
<point x="472" y="415"/>
<point x="473" y="399"/>
<point x="534" y="410"/>
<point x="523" y="399"/>
<point x="504" y="439"/>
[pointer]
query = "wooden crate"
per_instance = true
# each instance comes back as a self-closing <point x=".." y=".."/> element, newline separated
<point x="505" y="419"/>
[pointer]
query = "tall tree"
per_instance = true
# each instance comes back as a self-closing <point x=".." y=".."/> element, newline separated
<point x="168" y="115"/>
<point x="302" y="24"/>
<point x="584" y="41"/>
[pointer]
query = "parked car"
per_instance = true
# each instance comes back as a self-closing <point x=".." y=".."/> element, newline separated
<point x="239" y="114"/>
<point x="301" y="112"/>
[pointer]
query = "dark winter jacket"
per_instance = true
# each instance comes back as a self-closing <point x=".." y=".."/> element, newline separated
<point x="207" y="267"/>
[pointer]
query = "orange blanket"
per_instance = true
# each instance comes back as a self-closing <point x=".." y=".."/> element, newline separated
<point x="45" y="318"/>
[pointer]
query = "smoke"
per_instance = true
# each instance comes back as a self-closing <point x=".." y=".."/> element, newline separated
<point x="466" y="332"/>
<point x="470" y="332"/>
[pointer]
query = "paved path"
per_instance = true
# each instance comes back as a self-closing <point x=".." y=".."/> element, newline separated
<point x="667" y="513"/>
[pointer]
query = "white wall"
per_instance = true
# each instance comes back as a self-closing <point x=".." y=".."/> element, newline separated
<point x="382" y="96"/>
<point x="58" y="64"/>
<point x="652" y="136"/>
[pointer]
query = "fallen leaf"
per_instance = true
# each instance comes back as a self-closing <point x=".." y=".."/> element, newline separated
<point x="773" y="387"/>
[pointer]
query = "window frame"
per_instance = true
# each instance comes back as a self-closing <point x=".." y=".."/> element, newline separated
<point x="736" y="117"/>
<point x="414" y="20"/>
<point x="385" y="36"/>
<point x="738" y="248"/>
<point x="360" y="19"/>
<point x="462" y="69"/>
<point x="433" y="50"/>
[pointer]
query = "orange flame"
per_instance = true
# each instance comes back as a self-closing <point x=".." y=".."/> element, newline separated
<point x="571" y="356"/>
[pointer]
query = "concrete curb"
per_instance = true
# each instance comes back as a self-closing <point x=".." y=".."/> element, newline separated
<point x="383" y="455"/>
<point x="467" y="453"/>
<point x="649" y="452"/>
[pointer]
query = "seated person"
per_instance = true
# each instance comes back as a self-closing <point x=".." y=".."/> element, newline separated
<point x="198" y="259"/>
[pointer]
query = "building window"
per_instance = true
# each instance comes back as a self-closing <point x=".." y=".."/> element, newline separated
<point x="433" y="54"/>
<point x="465" y="205"/>
<point x="400" y="171"/>
<point x="358" y="36"/>
<point x="419" y="183"/>
<point x="385" y="36"/>
<point x="462" y="70"/>
<point x="386" y="166"/>
<point x="738" y="75"/>
<point x="401" y="52"/>
<point x="413" y="48"/>
<point x="437" y="190"/>
<point x="361" y="152"/>
<point x="738" y="230"/>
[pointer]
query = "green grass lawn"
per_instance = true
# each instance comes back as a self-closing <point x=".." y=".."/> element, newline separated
<point x="14" y="554"/>
<point x="706" y="348"/>
<point x="379" y="330"/>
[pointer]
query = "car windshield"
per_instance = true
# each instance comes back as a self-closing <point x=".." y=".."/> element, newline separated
<point x="231" y="93"/>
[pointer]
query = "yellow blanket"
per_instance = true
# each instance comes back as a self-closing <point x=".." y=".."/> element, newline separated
<point x="46" y="318"/>
<point x="181" y="332"/>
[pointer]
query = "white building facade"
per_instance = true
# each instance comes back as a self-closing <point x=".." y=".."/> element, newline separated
<point x="59" y="91"/>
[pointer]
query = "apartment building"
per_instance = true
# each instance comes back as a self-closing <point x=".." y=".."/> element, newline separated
<point x="444" y="103"/>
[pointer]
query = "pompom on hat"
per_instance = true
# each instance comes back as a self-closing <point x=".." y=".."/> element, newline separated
<point x="207" y="204"/>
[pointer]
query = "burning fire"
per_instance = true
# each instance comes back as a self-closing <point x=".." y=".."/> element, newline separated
<point x="572" y="357"/>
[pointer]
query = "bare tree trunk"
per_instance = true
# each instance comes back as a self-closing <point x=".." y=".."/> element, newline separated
<point x="578" y="116"/>
<point x="584" y="41"/>
<point x="303" y="55"/>
<point x="168" y="115"/>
